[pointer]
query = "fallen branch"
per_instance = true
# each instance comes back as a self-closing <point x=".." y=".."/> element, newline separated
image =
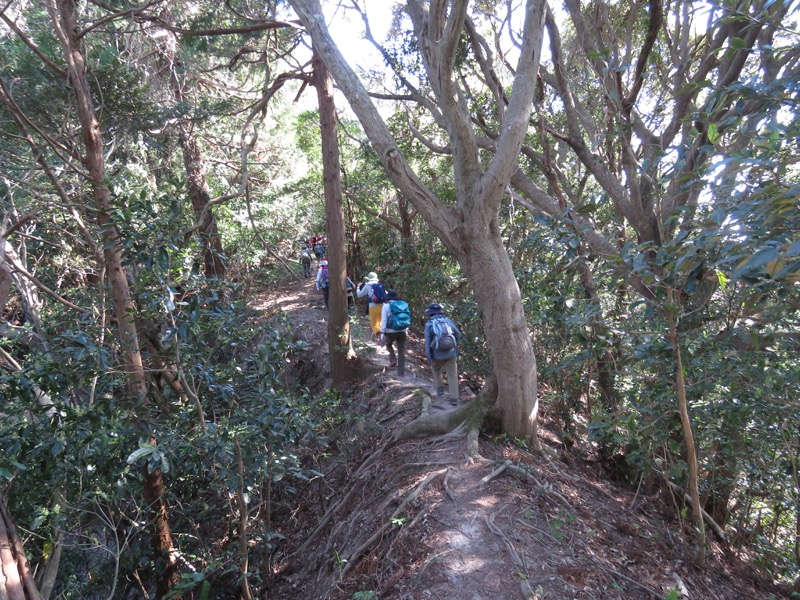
<point x="706" y="517"/>
<point x="641" y="586"/>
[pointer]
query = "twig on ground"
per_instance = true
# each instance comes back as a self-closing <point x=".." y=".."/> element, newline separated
<point x="641" y="586"/>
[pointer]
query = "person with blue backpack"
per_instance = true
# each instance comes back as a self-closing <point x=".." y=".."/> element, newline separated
<point x="372" y="289"/>
<point x="441" y="348"/>
<point x="395" y="319"/>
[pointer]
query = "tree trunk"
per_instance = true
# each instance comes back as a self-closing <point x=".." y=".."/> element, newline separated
<point x="16" y="581"/>
<point x="340" y="350"/>
<point x="686" y="423"/>
<point x="166" y="566"/>
<point x="213" y="254"/>
<point x="66" y="26"/>
<point x="495" y="287"/>
<point x="469" y="230"/>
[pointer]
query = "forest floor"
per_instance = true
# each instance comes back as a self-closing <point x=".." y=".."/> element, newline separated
<point x="422" y="520"/>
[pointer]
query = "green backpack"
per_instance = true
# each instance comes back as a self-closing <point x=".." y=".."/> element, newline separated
<point x="400" y="317"/>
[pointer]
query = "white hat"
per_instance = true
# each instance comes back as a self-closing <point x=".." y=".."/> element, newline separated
<point x="324" y="263"/>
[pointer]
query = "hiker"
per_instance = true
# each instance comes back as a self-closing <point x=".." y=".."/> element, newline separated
<point x="373" y="290"/>
<point x="305" y="260"/>
<point x="350" y="286"/>
<point x="395" y="319"/>
<point x="319" y="250"/>
<point x="322" y="280"/>
<point x="441" y="348"/>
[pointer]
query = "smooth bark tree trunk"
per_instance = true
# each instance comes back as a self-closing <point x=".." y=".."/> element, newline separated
<point x="686" y="424"/>
<point x="340" y="350"/>
<point x="67" y="28"/>
<point x="470" y="229"/>
<point x="495" y="288"/>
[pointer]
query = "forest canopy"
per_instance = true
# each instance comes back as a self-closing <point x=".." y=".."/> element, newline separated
<point x="603" y="195"/>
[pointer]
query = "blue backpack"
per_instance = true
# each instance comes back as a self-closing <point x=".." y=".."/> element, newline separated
<point x="400" y="317"/>
<point x="378" y="293"/>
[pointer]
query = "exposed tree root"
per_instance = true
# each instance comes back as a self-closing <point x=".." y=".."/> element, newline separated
<point x="524" y="583"/>
<point x="547" y="489"/>
<point x="433" y="424"/>
<point x="472" y="443"/>
<point x="382" y="529"/>
<point x="326" y="518"/>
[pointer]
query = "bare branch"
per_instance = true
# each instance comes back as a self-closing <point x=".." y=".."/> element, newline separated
<point x="29" y="43"/>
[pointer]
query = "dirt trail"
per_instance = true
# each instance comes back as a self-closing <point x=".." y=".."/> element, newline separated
<point x="420" y="519"/>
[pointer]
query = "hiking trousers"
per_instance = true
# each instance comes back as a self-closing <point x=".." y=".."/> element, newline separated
<point x="325" y="295"/>
<point x="375" y="317"/>
<point x="390" y="337"/>
<point x="450" y="367"/>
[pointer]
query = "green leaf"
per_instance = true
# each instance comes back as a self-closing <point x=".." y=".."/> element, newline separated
<point x="722" y="279"/>
<point x="713" y="133"/>
<point x="759" y="259"/>
<point x="140" y="453"/>
<point x="737" y="43"/>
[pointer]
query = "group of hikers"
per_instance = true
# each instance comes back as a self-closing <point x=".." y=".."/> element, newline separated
<point x="390" y="317"/>
<point x="310" y="248"/>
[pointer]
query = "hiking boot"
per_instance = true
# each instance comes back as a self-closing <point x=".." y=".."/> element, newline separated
<point x="453" y="401"/>
<point x="440" y="391"/>
<point x="392" y="363"/>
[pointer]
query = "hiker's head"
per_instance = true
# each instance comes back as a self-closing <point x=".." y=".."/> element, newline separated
<point x="371" y="277"/>
<point x="392" y="295"/>
<point x="433" y="309"/>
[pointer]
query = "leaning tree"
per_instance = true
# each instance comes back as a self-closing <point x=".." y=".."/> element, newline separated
<point x="469" y="227"/>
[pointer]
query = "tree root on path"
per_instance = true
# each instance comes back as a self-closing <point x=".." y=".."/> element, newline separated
<point x="524" y="584"/>
<point x="323" y="523"/>
<point x="432" y="424"/>
<point x="544" y="488"/>
<point x="382" y="529"/>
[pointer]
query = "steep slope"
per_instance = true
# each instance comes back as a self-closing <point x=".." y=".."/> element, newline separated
<point x="421" y="519"/>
